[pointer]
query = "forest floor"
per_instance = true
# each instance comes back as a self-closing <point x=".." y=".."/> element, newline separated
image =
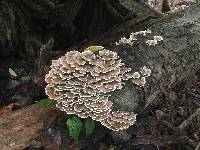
<point x="162" y="129"/>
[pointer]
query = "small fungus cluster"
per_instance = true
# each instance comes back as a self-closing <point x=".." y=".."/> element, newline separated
<point x="81" y="83"/>
<point x="133" y="37"/>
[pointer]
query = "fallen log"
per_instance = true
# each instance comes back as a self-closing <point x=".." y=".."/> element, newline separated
<point x="172" y="61"/>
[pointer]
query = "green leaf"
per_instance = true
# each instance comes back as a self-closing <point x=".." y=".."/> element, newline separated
<point x="45" y="102"/>
<point x="89" y="126"/>
<point x="112" y="147"/>
<point x="26" y="78"/>
<point x="74" y="126"/>
<point x="94" y="48"/>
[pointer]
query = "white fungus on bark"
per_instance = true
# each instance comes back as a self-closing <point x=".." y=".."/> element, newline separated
<point x="81" y="83"/>
<point x="133" y="37"/>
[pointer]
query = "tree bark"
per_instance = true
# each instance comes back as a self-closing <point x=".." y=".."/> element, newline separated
<point x="172" y="61"/>
<point x="70" y="22"/>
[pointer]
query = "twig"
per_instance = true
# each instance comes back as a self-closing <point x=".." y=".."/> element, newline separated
<point x="160" y="141"/>
<point x="195" y="117"/>
<point x="198" y="146"/>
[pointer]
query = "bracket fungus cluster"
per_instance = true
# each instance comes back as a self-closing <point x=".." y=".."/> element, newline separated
<point x="81" y="83"/>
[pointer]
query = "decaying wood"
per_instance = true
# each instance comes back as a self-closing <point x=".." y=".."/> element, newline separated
<point x="172" y="61"/>
<point x="19" y="129"/>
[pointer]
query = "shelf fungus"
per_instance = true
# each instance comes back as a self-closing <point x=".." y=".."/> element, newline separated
<point x="119" y="120"/>
<point x="81" y="83"/>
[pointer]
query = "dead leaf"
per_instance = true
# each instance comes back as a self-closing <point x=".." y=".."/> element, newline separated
<point x="7" y="109"/>
<point x="12" y="72"/>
